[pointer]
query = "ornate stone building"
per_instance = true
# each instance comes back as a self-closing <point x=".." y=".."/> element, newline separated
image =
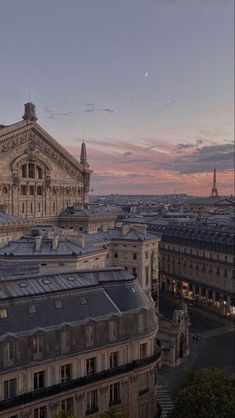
<point x="38" y="177"/>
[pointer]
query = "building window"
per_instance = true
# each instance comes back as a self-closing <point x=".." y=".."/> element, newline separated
<point x="22" y="207"/>
<point x="66" y="372"/>
<point x="134" y="256"/>
<point x="91" y="401"/>
<point x="39" y="190"/>
<point x="9" y="389"/>
<point x="114" y="394"/>
<point x="134" y="272"/>
<point x="31" y="172"/>
<point x="23" y="190"/>
<point x="143" y="383"/>
<point x="146" y="275"/>
<point x="113" y="330"/>
<point x="91" y="365"/>
<point x="67" y="404"/>
<point x="90" y="336"/>
<point x="31" y="190"/>
<point x="115" y="255"/>
<point x="32" y="309"/>
<point x="31" y="207"/>
<point x="113" y="360"/>
<point x="39" y="380"/>
<point x="24" y="171"/>
<point x="39" y="207"/>
<point x="40" y="412"/>
<point x="53" y="206"/>
<point x="9" y="351"/>
<point x="3" y="313"/>
<point x="39" y="172"/>
<point x="143" y="350"/>
<point x="58" y="304"/>
<point x="38" y="344"/>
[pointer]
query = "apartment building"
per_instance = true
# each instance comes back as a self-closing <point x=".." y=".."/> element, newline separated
<point x="80" y="341"/>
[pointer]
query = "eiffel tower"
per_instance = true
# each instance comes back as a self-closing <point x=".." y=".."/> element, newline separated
<point x="214" y="191"/>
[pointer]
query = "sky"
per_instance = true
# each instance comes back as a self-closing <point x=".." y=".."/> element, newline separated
<point x="147" y="83"/>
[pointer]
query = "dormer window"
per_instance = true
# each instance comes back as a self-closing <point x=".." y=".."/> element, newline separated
<point x="3" y="313"/>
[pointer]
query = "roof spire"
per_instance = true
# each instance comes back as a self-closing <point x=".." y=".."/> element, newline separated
<point x="29" y="112"/>
<point x="83" y="155"/>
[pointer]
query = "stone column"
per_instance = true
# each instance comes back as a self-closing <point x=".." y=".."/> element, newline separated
<point x="79" y="410"/>
<point x="103" y="401"/>
<point x="133" y="398"/>
<point x="54" y="407"/>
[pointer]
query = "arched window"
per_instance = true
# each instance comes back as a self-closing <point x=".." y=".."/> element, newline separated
<point x="24" y="170"/>
<point x="32" y="171"/>
<point x="39" y="172"/>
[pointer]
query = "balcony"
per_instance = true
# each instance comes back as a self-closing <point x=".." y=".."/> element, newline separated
<point x="79" y="382"/>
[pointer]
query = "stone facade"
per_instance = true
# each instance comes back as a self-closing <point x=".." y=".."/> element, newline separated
<point x="198" y="265"/>
<point x="79" y="343"/>
<point x="174" y="336"/>
<point x="38" y="177"/>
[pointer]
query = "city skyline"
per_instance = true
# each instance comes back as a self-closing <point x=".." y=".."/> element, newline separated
<point x="149" y="85"/>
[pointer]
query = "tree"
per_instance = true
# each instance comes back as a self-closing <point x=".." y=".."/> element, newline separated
<point x="205" y="393"/>
<point x="114" y="412"/>
<point x="65" y="414"/>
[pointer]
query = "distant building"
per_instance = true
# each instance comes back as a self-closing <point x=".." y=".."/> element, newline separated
<point x="79" y="341"/>
<point x="129" y="246"/>
<point x="198" y="263"/>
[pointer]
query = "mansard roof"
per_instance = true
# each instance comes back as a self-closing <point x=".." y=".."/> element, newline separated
<point x="84" y="296"/>
<point x="116" y="235"/>
<point x="195" y="235"/>
<point x="91" y="213"/>
<point x="6" y="219"/>
<point x="27" y="247"/>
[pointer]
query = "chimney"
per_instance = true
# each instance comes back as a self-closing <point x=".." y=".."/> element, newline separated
<point x="81" y="241"/>
<point x="55" y="242"/>
<point x="38" y="243"/>
<point x="125" y="229"/>
<point x="29" y="112"/>
<point x="104" y="228"/>
<point x="140" y="228"/>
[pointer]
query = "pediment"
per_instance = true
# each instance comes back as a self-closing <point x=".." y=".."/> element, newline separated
<point x="35" y="139"/>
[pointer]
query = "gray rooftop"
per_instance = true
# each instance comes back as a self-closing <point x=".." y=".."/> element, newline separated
<point x="116" y="234"/>
<point x="11" y="219"/>
<point x="88" y="213"/>
<point x="83" y="295"/>
<point x="27" y="247"/>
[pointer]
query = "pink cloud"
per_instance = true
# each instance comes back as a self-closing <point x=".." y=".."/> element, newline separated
<point x="122" y="167"/>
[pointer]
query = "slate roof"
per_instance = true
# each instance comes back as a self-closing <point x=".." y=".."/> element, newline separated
<point x="84" y="296"/>
<point x="194" y="234"/>
<point x="87" y="213"/>
<point x="26" y="247"/>
<point x="116" y="234"/>
<point x="11" y="219"/>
